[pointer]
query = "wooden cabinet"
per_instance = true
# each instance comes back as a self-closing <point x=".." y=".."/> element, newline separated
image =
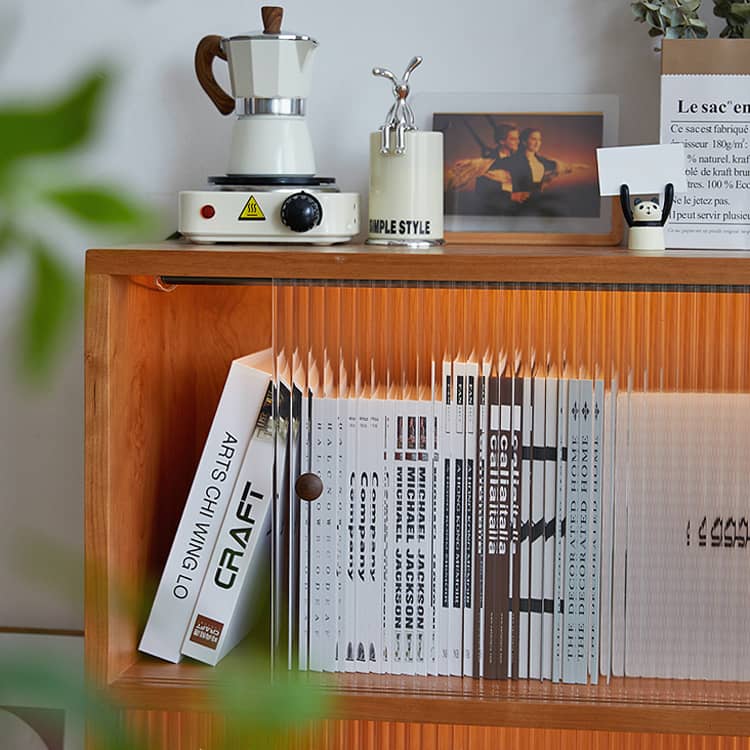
<point x="163" y="323"/>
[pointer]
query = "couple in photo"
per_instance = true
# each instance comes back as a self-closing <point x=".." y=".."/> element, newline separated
<point x="509" y="177"/>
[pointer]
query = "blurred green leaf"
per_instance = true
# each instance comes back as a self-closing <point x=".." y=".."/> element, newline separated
<point x="48" y="307"/>
<point x="27" y="130"/>
<point x="50" y="683"/>
<point x="98" y="205"/>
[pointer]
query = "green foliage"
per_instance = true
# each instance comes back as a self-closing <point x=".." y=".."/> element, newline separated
<point x="672" y="19"/>
<point x="736" y="16"/>
<point x="36" y="139"/>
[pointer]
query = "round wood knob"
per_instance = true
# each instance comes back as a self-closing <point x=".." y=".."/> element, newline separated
<point x="271" y="15"/>
<point x="309" y="487"/>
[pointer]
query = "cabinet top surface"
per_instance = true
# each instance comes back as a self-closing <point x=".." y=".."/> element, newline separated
<point x="458" y="263"/>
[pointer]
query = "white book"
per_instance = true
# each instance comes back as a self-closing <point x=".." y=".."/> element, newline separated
<point x="514" y="576"/>
<point x="619" y="532"/>
<point x="374" y="531"/>
<point x="323" y="625"/>
<point x="436" y="524"/>
<point x="349" y="547"/>
<point x="536" y="530"/>
<point x="550" y="524"/>
<point x="525" y="530"/>
<point x="206" y="504"/>
<point x="447" y="531"/>
<point x="595" y="526"/>
<point x="558" y="626"/>
<point x="305" y="570"/>
<point x="423" y="609"/>
<point x="608" y="496"/>
<point x="240" y="562"/>
<point x="471" y="414"/>
<point x="572" y="618"/>
<point x="457" y="526"/>
<point x="687" y="595"/>
<point x="480" y="517"/>
<point x="583" y="589"/>
<point x="391" y="660"/>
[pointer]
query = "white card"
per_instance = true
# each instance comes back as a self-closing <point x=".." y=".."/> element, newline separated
<point x="644" y="169"/>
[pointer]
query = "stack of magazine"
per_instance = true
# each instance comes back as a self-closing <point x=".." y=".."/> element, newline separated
<point x="493" y="523"/>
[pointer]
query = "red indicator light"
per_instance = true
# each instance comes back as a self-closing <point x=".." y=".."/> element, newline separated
<point x="208" y="211"/>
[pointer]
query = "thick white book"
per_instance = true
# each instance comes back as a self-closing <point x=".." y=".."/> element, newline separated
<point x="351" y="557"/>
<point x="558" y="620"/>
<point x="207" y="501"/>
<point x="525" y="529"/>
<point x="607" y="537"/>
<point x="471" y="413"/>
<point x="583" y="589"/>
<point x="455" y="654"/>
<point x="323" y="618"/>
<point x="619" y="532"/>
<point x="688" y="535"/>
<point x="550" y="528"/>
<point x="447" y="531"/>
<point x="305" y="569"/>
<point x="574" y="642"/>
<point x="595" y="526"/>
<point x="240" y="562"/>
<point x="536" y="529"/>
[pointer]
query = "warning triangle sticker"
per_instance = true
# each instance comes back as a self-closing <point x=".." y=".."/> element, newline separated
<point x="251" y="211"/>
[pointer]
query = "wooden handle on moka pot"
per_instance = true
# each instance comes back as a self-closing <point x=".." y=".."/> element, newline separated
<point x="271" y="15"/>
<point x="207" y="50"/>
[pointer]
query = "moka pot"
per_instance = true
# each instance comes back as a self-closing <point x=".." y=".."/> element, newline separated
<point x="270" y="76"/>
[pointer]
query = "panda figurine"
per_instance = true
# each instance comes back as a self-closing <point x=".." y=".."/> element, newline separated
<point x="645" y="220"/>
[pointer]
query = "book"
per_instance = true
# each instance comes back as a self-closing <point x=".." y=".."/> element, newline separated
<point x="550" y="524"/>
<point x="241" y="558"/>
<point x="558" y="617"/>
<point x="536" y="528"/>
<point x="228" y="437"/>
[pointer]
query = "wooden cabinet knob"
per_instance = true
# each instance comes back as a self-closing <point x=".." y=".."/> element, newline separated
<point x="309" y="487"/>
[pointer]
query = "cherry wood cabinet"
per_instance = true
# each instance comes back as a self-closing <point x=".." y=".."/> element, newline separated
<point x="162" y="325"/>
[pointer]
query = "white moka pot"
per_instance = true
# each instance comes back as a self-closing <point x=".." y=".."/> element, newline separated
<point x="270" y="73"/>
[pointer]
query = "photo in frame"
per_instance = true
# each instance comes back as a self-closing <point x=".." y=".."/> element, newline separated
<point x="37" y="717"/>
<point x="521" y="168"/>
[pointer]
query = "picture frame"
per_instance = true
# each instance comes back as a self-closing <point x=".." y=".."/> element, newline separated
<point x="43" y="719"/>
<point x="543" y="192"/>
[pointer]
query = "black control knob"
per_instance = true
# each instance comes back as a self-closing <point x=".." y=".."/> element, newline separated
<point x="301" y="212"/>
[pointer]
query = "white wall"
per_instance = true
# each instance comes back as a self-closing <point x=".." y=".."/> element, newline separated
<point x="161" y="134"/>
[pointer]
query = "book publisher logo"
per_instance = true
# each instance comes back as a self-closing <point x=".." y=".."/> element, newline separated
<point x="206" y="632"/>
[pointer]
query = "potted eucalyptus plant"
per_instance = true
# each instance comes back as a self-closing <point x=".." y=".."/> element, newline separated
<point x="680" y="19"/>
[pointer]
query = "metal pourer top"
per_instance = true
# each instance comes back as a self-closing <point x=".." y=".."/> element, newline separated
<point x="400" y="116"/>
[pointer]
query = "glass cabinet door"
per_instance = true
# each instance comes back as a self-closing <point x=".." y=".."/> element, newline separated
<point x="511" y="480"/>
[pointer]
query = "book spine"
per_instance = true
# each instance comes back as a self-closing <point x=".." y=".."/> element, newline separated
<point x="550" y="525"/>
<point x="350" y="520"/>
<point x="306" y="433"/>
<point x="558" y="619"/>
<point x="423" y="610"/>
<point x="573" y="614"/>
<point x="492" y="613"/>
<point x="469" y="508"/>
<point x="515" y="508"/>
<point x="583" y="588"/>
<point x="526" y="614"/>
<point x="294" y="570"/>
<point x="222" y="610"/>
<point x="389" y="529"/>
<point x="436" y="554"/>
<point x="479" y="523"/>
<point x="447" y="524"/>
<point x="537" y="529"/>
<point x="595" y="549"/>
<point x="458" y="475"/>
<point x="323" y="540"/>
<point x="607" y="539"/>
<point x="206" y="504"/>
